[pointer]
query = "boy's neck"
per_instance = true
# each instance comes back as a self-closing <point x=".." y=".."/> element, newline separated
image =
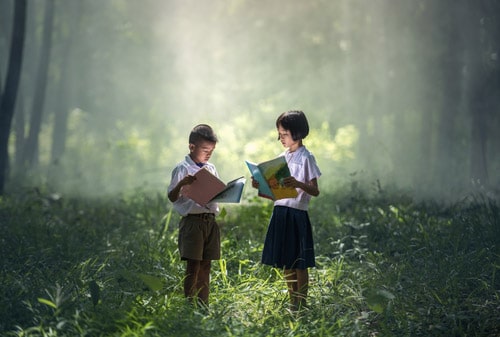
<point x="199" y="164"/>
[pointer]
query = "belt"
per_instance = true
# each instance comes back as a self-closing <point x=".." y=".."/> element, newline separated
<point x="203" y="216"/>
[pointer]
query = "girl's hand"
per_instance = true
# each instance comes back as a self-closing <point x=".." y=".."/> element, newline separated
<point x="310" y="187"/>
<point x="290" y="182"/>
<point x="255" y="183"/>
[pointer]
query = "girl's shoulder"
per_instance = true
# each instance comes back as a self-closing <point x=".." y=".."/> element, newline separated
<point x="299" y="156"/>
<point x="307" y="158"/>
<point x="303" y="153"/>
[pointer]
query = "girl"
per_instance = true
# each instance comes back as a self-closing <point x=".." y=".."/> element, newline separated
<point x="289" y="242"/>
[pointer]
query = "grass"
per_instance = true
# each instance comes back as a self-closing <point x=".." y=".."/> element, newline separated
<point x="386" y="266"/>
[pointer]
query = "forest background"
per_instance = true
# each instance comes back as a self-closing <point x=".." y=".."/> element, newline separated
<point x="402" y="94"/>
<point x="97" y="101"/>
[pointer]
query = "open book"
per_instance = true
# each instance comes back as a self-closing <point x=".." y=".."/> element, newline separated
<point x="208" y="188"/>
<point x="269" y="175"/>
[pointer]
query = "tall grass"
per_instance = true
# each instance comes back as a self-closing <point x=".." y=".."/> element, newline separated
<point x="386" y="266"/>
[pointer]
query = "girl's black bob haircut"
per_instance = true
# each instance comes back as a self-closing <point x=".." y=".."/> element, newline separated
<point x="294" y="121"/>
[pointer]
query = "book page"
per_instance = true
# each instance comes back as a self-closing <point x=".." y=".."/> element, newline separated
<point x="232" y="193"/>
<point x="274" y="171"/>
<point x="270" y="175"/>
<point x="264" y="190"/>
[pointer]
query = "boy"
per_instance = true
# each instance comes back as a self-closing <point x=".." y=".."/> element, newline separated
<point x="199" y="235"/>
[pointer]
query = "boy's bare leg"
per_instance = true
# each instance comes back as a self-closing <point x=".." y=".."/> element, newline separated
<point x="203" y="281"/>
<point x="191" y="279"/>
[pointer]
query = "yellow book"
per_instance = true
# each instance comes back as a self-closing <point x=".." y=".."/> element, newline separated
<point x="270" y="175"/>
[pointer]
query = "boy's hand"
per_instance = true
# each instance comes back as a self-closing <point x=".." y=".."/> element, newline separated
<point x="187" y="180"/>
<point x="174" y="193"/>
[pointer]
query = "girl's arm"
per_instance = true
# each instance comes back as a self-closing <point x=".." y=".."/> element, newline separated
<point x="310" y="187"/>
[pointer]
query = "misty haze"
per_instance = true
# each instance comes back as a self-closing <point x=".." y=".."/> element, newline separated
<point x="402" y="94"/>
<point x="98" y="98"/>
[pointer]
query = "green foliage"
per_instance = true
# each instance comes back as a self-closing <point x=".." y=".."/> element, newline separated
<point x="386" y="266"/>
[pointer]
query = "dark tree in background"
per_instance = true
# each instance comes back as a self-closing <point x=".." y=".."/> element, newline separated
<point x="413" y="84"/>
<point x="67" y="41"/>
<point x="65" y="46"/>
<point x="30" y="153"/>
<point x="484" y="78"/>
<point x="448" y="20"/>
<point x="9" y="94"/>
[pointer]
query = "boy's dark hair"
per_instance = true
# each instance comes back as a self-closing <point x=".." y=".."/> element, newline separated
<point x="202" y="132"/>
<point x="296" y="122"/>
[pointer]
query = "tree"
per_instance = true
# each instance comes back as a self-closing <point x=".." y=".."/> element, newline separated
<point x="31" y="148"/>
<point x="485" y="87"/>
<point x="447" y="156"/>
<point x="67" y="55"/>
<point x="8" y="98"/>
<point x="61" y="113"/>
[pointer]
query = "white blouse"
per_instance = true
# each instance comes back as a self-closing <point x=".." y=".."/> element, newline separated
<point x="303" y="168"/>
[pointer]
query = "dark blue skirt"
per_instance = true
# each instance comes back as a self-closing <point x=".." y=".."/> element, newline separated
<point x="289" y="241"/>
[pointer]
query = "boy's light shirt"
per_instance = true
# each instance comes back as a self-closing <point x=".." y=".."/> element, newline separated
<point x="184" y="205"/>
<point x="303" y="167"/>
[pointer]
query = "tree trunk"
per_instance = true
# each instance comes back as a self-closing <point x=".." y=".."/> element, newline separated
<point x="478" y="162"/>
<point x="6" y="9"/>
<point x="62" y="109"/>
<point x="19" y="124"/>
<point x="8" y="98"/>
<point x="482" y="94"/>
<point x="31" y="147"/>
<point x="446" y="160"/>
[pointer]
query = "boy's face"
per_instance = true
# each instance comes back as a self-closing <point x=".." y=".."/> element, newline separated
<point x="201" y="151"/>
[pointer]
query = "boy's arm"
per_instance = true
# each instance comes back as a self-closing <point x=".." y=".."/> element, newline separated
<point x="173" y="195"/>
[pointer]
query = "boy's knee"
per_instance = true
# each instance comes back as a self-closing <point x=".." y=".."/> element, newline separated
<point x="205" y="265"/>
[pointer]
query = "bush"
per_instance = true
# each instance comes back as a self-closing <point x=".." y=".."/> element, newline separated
<point x="385" y="266"/>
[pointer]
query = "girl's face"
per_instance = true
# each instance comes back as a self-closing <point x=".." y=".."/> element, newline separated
<point x="285" y="137"/>
<point x="201" y="152"/>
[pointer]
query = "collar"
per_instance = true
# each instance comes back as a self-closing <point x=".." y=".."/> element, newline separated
<point x="299" y="150"/>
<point x="192" y="162"/>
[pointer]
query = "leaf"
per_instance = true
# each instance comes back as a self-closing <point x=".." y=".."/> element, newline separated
<point x="223" y="212"/>
<point x="154" y="283"/>
<point x="377" y="299"/>
<point x="47" y="302"/>
<point x="387" y="294"/>
<point x="95" y="292"/>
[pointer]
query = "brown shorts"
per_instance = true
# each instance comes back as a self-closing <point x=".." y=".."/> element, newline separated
<point x="199" y="237"/>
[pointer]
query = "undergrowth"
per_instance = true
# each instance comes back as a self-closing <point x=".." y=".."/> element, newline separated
<point x="386" y="266"/>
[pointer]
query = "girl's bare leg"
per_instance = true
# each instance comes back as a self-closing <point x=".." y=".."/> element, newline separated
<point x="302" y="286"/>
<point x="292" y="284"/>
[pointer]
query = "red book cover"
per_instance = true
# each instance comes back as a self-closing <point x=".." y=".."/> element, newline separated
<point x="208" y="188"/>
